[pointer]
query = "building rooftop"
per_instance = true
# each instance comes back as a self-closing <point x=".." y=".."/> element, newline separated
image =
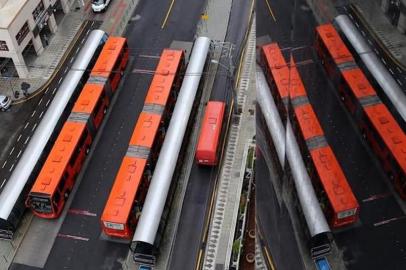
<point x="9" y="10"/>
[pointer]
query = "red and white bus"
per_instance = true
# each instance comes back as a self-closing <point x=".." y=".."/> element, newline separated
<point x="124" y="205"/>
<point x="377" y="124"/>
<point x="210" y="134"/>
<point x="336" y="196"/>
<point x="57" y="177"/>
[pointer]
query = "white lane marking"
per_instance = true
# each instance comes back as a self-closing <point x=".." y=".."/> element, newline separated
<point x="40" y="101"/>
<point x="26" y="140"/>
<point x="19" y="137"/>
<point x="4" y="181"/>
<point x="72" y="237"/>
<point x="391" y="71"/>
<point x="26" y="125"/>
<point x="12" y="150"/>
<point x="33" y="113"/>
<point x="53" y="91"/>
<point x="46" y="91"/>
<point x="46" y="105"/>
<point x="88" y="30"/>
<point x="35" y="125"/>
<point x="77" y="51"/>
<point x="60" y="79"/>
<point x="82" y="212"/>
<point x="399" y="82"/>
<point x="66" y="69"/>
<point x="369" y="41"/>
<point x="149" y="56"/>
<point x="376" y="51"/>
<point x="11" y="168"/>
<point x="4" y="164"/>
<point x="41" y="114"/>
<point x="383" y="60"/>
<point x="71" y="60"/>
<point x="386" y="221"/>
<point x="19" y="153"/>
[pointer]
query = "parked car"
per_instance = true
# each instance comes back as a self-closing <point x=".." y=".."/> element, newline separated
<point x="5" y="102"/>
<point x="100" y="5"/>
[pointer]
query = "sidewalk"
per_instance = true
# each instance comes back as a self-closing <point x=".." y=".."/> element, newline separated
<point x="42" y="67"/>
<point x="388" y="35"/>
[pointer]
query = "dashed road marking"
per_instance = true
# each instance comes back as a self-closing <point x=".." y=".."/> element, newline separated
<point x="60" y="79"/>
<point x="46" y="91"/>
<point x="11" y="168"/>
<point x="399" y="82"/>
<point x="26" y="125"/>
<point x="19" y="153"/>
<point x="40" y="101"/>
<point x="33" y="113"/>
<point x="12" y="150"/>
<point x="46" y="105"/>
<point x="391" y="71"/>
<point x="2" y="184"/>
<point x="386" y="221"/>
<point x="4" y="164"/>
<point x="26" y="140"/>
<point x="19" y="137"/>
<point x="376" y="196"/>
<point x="40" y="116"/>
<point x="35" y="125"/>
<point x="73" y="237"/>
<point x="53" y="91"/>
<point x="82" y="212"/>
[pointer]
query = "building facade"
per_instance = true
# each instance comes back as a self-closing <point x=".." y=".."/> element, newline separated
<point x="25" y="26"/>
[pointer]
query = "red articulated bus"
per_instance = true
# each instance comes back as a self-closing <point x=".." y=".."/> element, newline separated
<point x="57" y="177"/>
<point x="207" y="146"/>
<point x="124" y="205"/>
<point x="277" y="74"/>
<point x="377" y="124"/>
<point x="337" y="199"/>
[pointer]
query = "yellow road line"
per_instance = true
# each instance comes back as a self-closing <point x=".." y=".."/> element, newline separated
<point x="167" y="14"/>
<point x="270" y="10"/>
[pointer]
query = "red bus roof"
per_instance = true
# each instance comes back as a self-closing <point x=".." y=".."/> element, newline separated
<point x="334" y="44"/>
<point x="389" y="130"/>
<point x="108" y="56"/>
<point x="358" y="83"/>
<point x="55" y="165"/>
<point x="333" y="180"/>
<point x="146" y="129"/>
<point x="210" y="132"/>
<point x="308" y="122"/>
<point x="277" y="65"/>
<point x="124" y="190"/>
<point x="297" y="88"/>
<point x="164" y="77"/>
<point x="88" y="98"/>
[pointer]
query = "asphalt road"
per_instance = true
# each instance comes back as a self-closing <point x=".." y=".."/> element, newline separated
<point x="381" y="218"/>
<point x="200" y="187"/>
<point x="146" y="38"/>
<point x="273" y="220"/>
<point x="19" y="123"/>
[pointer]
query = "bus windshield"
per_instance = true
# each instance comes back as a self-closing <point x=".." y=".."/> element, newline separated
<point x="41" y="204"/>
